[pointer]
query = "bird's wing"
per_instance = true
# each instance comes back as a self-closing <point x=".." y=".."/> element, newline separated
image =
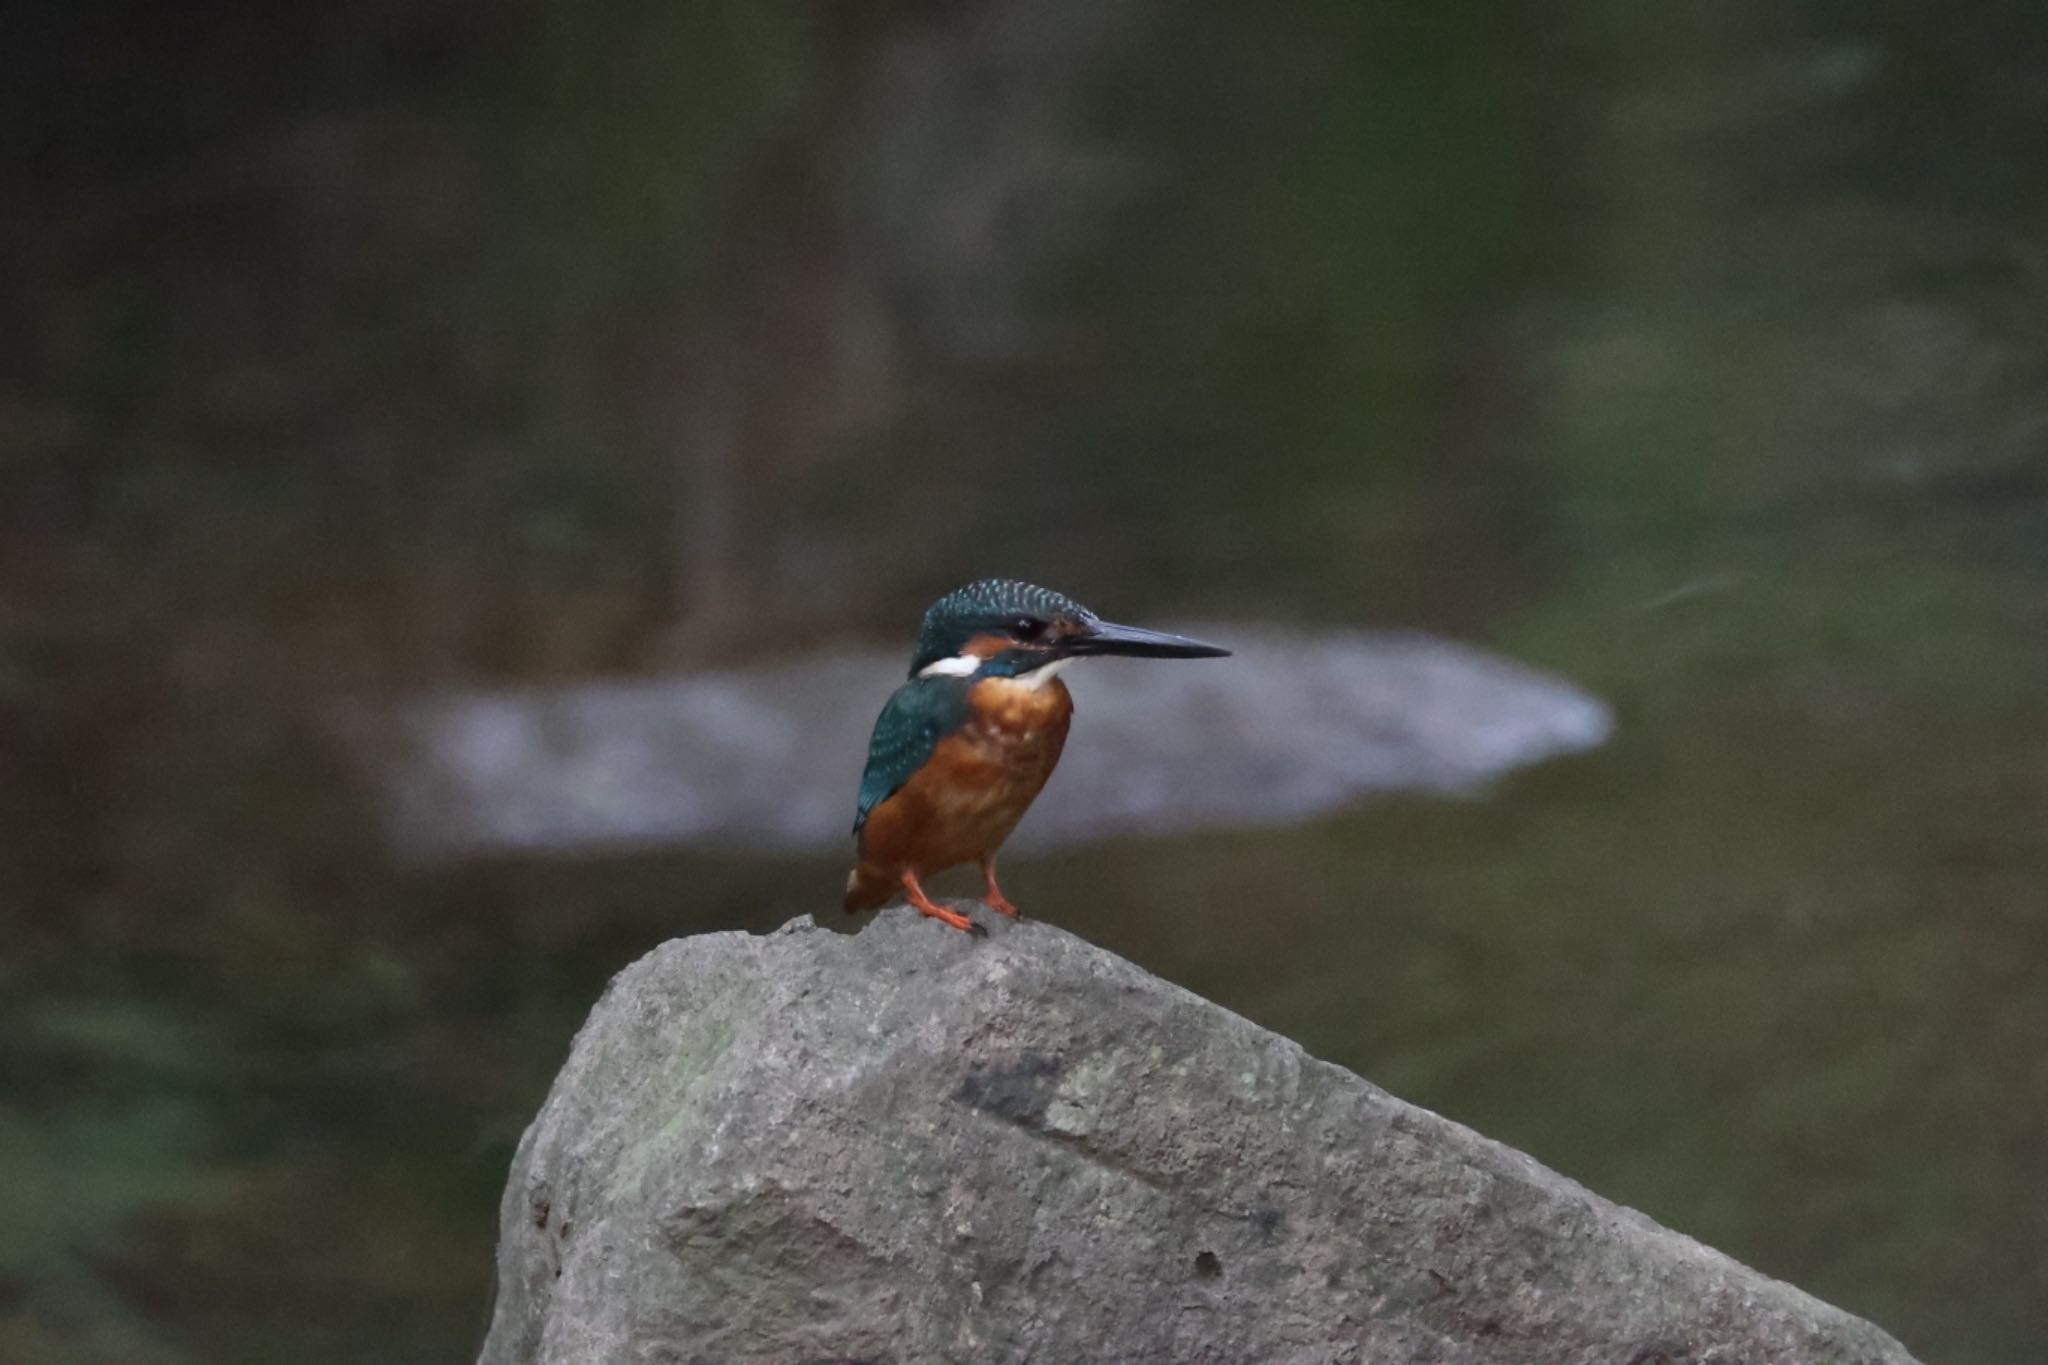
<point x="912" y="722"/>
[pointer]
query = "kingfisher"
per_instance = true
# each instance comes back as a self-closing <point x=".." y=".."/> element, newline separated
<point x="962" y="749"/>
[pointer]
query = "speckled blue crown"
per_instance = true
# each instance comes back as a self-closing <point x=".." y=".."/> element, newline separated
<point x="952" y="620"/>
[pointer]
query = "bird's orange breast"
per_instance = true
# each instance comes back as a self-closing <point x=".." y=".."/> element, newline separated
<point x="962" y="804"/>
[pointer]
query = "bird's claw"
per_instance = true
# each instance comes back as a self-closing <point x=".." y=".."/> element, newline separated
<point x="950" y="917"/>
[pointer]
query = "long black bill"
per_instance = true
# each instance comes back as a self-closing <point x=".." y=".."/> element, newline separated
<point x="1106" y="637"/>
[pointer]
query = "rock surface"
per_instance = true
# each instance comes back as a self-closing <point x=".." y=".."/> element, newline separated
<point x="1297" y="723"/>
<point x="914" y="1145"/>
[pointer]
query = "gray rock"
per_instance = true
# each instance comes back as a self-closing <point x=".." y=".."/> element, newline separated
<point x="768" y="756"/>
<point x="914" y="1145"/>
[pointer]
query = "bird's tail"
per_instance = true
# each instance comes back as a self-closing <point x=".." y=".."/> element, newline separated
<point x="866" y="888"/>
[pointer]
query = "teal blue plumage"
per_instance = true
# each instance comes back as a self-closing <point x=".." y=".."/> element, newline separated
<point x="920" y="713"/>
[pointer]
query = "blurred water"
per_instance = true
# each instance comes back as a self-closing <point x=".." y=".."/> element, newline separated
<point x="757" y="757"/>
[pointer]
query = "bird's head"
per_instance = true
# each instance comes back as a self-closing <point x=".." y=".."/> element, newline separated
<point x="1001" y="628"/>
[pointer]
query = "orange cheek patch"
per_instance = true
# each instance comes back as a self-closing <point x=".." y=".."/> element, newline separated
<point x="985" y="646"/>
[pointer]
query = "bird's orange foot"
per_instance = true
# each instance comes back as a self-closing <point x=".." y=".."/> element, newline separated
<point x="993" y="897"/>
<point x="924" y="905"/>
<point x="952" y="917"/>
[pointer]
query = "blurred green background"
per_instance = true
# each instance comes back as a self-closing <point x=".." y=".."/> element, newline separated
<point x="1699" y="353"/>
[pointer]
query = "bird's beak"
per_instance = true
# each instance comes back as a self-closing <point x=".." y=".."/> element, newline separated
<point x="1106" y="637"/>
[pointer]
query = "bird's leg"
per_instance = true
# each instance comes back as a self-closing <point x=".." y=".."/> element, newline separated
<point x="924" y="906"/>
<point x="995" y="899"/>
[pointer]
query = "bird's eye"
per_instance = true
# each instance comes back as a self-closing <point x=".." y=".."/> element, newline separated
<point x="1028" y="628"/>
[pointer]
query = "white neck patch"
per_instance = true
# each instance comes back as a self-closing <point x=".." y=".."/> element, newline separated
<point x="959" y="666"/>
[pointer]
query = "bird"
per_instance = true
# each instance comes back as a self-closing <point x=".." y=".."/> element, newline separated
<point x="963" y="748"/>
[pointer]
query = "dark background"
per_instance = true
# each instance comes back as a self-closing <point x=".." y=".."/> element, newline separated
<point x="359" y="348"/>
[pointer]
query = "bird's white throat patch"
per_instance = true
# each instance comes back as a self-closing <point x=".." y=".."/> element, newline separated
<point x="1041" y="675"/>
